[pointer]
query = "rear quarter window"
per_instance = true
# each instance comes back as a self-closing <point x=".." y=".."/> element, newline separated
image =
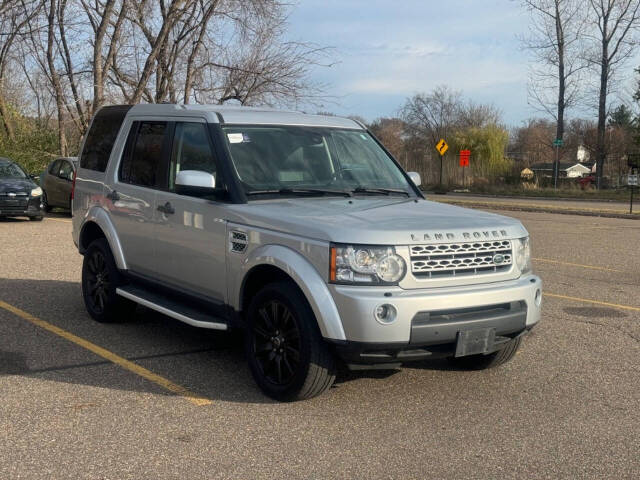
<point x="101" y="137"/>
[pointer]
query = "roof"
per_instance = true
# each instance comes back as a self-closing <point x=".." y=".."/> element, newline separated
<point x="244" y="115"/>
<point x="579" y="166"/>
<point x="5" y="160"/>
<point x="561" y="166"/>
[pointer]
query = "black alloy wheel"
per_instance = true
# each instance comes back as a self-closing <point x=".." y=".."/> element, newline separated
<point x="98" y="281"/>
<point x="287" y="356"/>
<point x="276" y="342"/>
<point x="100" y="278"/>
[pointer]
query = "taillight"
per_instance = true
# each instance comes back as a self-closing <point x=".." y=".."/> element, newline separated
<point x="73" y="184"/>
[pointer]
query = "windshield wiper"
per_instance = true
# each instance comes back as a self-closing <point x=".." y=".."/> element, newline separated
<point x="385" y="191"/>
<point x="300" y="191"/>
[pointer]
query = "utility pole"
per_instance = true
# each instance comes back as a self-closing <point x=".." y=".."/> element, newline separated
<point x="556" y="165"/>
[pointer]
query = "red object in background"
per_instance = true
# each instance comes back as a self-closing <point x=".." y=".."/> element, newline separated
<point x="464" y="157"/>
<point x="587" y="182"/>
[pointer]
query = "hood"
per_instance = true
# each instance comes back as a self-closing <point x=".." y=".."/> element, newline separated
<point x="384" y="221"/>
<point x="16" y="185"/>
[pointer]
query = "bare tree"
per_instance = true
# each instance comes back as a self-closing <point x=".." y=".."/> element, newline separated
<point x="555" y="41"/>
<point x="616" y="24"/>
<point x="106" y="20"/>
<point x="434" y="115"/>
<point x="14" y="18"/>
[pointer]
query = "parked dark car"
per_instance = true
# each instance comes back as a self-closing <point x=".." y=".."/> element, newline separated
<point x="56" y="182"/>
<point x="20" y="196"/>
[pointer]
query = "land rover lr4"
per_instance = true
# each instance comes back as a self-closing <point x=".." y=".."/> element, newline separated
<point x="301" y="230"/>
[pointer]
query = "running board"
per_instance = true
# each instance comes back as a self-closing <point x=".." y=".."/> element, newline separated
<point x="162" y="304"/>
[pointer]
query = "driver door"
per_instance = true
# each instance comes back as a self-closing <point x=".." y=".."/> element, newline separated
<point x="190" y="231"/>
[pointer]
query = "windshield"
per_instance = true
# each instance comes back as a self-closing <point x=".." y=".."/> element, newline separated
<point x="308" y="160"/>
<point x="11" y="170"/>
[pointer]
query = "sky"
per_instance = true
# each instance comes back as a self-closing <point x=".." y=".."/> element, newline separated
<point x="390" y="50"/>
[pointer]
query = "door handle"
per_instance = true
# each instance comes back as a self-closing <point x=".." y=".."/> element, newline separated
<point x="166" y="208"/>
<point x="113" y="196"/>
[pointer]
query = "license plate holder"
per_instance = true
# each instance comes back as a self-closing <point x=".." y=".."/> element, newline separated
<point x="474" y="342"/>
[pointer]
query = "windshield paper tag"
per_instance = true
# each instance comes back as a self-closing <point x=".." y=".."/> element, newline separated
<point x="235" y="137"/>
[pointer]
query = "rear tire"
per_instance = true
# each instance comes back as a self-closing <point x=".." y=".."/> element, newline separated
<point x="100" y="278"/>
<point x="483" y="362"/>
<point x="36" y="219"/>
<point x="287" y="356"/>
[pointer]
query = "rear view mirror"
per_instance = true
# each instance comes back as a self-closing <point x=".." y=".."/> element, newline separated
<point x="195" y="182"/>
<point x="415" y="178"/>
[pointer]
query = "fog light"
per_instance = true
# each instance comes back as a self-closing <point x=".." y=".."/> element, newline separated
<point x="386" y="313"/>
<point x="538" y="297"/>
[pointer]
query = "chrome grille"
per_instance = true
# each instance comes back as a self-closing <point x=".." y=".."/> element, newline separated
<point x="458" y="259"/>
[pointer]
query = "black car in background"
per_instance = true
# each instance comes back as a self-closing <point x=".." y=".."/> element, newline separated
<point x="56" y="182"/>
<point x="20" y="196"/>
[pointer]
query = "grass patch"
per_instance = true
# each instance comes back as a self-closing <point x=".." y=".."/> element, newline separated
<point x="620" y="194"/>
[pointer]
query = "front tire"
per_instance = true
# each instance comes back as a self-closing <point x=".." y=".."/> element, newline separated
<point x="36" y="219"/>
<point x="287" y="356"/>
<point x="492" y="360"/>
<point x="47" y="208"/>
<point x="100" y="278"/>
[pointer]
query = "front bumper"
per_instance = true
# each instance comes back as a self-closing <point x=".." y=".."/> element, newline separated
<point x="433" y="317"/>
<point x="21" y="207"/>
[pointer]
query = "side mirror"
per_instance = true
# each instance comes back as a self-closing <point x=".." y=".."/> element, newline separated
<point x="415" y="178"/>
<point x="195" y="182"/>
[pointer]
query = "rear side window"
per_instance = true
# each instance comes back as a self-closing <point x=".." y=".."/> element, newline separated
<point x="101" y="137"/>
<point x="142" y="163"/>
<point x="66" y="170"/>
<point x="54" y="169"/>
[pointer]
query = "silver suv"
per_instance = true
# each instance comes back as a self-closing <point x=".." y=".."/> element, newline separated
<point x="301" y="230"/>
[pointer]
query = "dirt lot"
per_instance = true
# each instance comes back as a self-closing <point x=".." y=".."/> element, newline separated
<point x="567" y="406"/>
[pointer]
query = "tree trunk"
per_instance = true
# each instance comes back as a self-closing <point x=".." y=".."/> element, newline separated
<point x="561" y="91"/>
<point x="6" y="121"/>
<point x="55" y="78"/>
<point x="601" y="146"/>
<point x="98" y="66"/>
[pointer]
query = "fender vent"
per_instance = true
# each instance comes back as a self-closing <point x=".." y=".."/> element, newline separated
<point x="238" y="241"/>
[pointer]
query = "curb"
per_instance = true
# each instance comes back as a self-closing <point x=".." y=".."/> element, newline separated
<point x="525" y="208"/>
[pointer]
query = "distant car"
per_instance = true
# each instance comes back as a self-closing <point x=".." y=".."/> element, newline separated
<point x="56" y="182"/>
<point x="20" y="196"/>
<point x="587" y="182"/>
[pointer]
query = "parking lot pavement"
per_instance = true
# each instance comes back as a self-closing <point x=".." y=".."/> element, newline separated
<point x="567" y="406"/>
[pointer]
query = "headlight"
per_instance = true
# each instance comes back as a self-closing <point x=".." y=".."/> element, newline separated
<point x="365" y="265"/>
<point x="523" y="254"/>
<point x="36" y="192"/>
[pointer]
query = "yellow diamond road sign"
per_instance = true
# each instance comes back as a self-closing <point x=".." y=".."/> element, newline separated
<point x="442" y="147"/>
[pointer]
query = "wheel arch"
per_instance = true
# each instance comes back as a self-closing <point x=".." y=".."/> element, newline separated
<point x="276" y="263"/>
<point x="95" y="225"/>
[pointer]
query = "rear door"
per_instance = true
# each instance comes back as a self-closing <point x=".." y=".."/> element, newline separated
<point x="50" y="183"/>
<point x="191" y="233"/>
<point x="65" y="178"/>
<point x="131" y="197"/>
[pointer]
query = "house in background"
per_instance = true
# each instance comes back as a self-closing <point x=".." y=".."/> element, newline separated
<point x="565" y="170"/>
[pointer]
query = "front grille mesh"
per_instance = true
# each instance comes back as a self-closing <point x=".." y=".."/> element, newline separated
<point x="12" y="206"/>
<point x="460" y="259"/>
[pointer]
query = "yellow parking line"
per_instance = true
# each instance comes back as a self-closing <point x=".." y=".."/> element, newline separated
<point x="593" y="267"/>
<point x="112" y="357"/>
<point x="596" y="302"/>
<point x="58" y="220"/>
